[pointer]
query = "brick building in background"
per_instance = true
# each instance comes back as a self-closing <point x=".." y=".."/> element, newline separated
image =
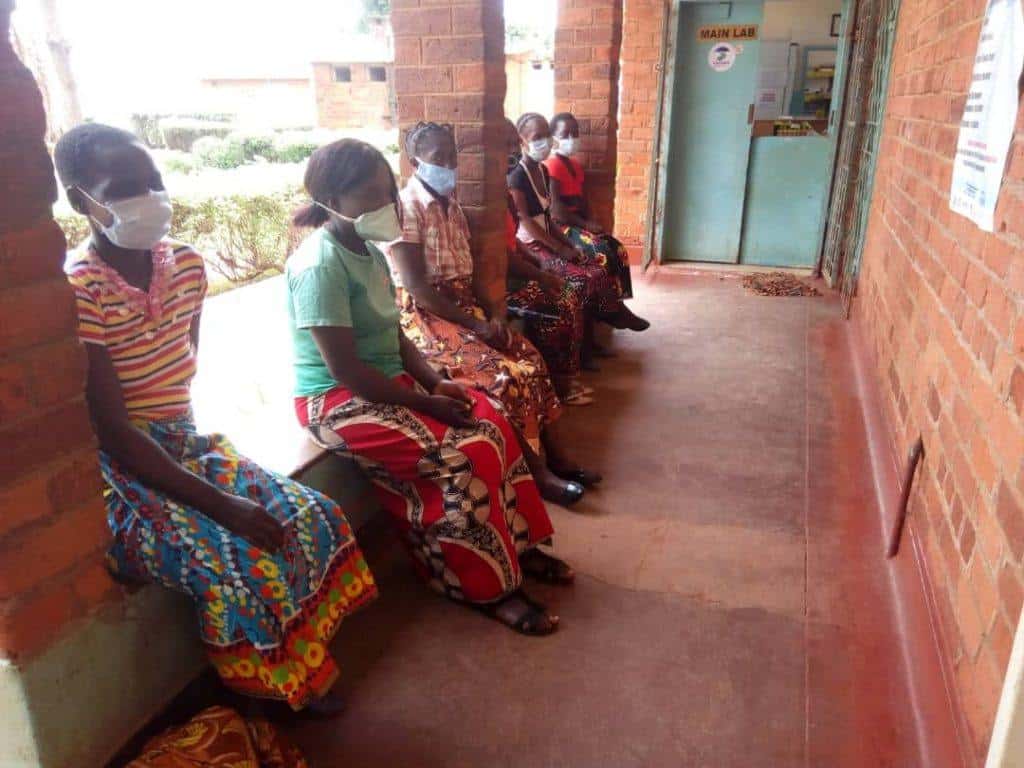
<point x="354" y="94"/>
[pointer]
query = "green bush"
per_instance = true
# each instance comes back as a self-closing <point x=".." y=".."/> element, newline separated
<point x="76" y="228"/>
<point x="219" y="153"/>
<point x="243" y="238"/>
<point x="292" y="147"/>
<point x="182" y="133"/>
<point x="209" y="117"/>
<point x="254" y="145"/>
<point x="180" y="163"/>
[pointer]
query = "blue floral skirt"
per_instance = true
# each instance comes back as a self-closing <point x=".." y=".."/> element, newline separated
<point x="264" y="619"/>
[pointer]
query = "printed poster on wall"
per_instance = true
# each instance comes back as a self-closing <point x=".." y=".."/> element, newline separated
<point x="989" y="115"/>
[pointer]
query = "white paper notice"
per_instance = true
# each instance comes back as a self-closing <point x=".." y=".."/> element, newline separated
<point x="990" y="114"/>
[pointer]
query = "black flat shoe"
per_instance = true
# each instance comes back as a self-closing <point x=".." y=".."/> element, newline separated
<point x="566" y="496"/>
<point x="581" y="476"/>
<point x="625" y="320"/>
<point x="573" y="493"/>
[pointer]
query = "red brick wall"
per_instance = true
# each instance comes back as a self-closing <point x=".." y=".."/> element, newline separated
<point x="588" y="41"/>
<point x="450" y="67"/>
<point x="361" y="103"/>
<point x="642" y="35"/>
<point x="52" y="522"/>
<point x="943" y="306"/>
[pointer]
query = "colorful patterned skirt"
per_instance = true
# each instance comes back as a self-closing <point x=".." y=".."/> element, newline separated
<point x="265" y="620"/>
<point x="463" y="499"/>
<point x="517" y="378"/>
<point x="600" y="290"/>
<point x="559" y="338"/>
<point x="606" y="252"/>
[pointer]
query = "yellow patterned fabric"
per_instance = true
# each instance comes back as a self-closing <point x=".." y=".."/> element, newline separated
<point x="218" y="736"/>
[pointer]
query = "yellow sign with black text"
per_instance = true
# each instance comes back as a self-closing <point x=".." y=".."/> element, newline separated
<point x="716" y="33"/>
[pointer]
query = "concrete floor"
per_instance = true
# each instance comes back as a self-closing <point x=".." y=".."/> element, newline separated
<point x="732" y="608"/>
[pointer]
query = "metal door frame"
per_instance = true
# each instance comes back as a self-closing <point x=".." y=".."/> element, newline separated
<point x="857" y="158"/>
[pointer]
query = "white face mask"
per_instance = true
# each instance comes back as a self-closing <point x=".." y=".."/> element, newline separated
<point x="439" y="178"/>
<point x="380" y="226"/>
<point x="539" y="150"/>
<point x="568" y="147"/>
<point x="139" y="222"/>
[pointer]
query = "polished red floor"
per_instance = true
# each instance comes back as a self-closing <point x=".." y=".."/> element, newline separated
<point x="733" y="608"/>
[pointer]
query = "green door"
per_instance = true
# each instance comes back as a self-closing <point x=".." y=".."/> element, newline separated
<point x="709" y="139"/>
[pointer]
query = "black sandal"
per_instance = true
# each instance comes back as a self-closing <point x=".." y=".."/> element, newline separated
<point x="546" y="568"/>
<point x="530" y="622"/>
<point x="584" y="477"/>
<point x="566" y="495"/>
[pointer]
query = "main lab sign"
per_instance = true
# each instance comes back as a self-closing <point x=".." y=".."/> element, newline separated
<point x="717" y="33"/>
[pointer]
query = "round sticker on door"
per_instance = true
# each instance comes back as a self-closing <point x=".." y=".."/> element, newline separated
<point x="722" y="56"/>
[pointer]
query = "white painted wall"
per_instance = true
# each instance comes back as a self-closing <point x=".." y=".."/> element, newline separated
<point x="806" y="22"/>
<point x="528" y="89"/>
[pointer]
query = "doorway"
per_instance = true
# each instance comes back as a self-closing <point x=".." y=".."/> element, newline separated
<point x="749" y="130"/>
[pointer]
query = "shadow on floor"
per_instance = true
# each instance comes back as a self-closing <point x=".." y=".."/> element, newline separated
<point x="729" y="610"/>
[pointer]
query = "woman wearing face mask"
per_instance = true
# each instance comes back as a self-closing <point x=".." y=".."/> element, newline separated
<point x="272" y="566"/>
<point x="472" y="343"/>
<point x="571" y="213"/>
<point x="552" y="308"/>
<point x="446" y="465"/>
<point x="530" y="185"/>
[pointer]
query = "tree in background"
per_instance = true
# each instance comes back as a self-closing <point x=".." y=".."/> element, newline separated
<point x="376" y="14"/>
<point x="42" y="46"/>
<point x="60" y="52"/>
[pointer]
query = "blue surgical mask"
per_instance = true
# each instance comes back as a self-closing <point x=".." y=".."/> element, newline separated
<point x="437" y="177"/>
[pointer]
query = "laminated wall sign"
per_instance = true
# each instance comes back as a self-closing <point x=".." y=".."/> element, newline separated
<point x="989" y="115"/>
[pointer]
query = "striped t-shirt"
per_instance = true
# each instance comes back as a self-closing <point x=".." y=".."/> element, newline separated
<point x="146" y="333"/>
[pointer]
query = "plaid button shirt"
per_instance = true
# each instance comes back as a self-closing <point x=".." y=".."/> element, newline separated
<point x="444" y="238"/>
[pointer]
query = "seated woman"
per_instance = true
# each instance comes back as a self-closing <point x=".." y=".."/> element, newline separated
<point x="272" y="566"/>
<point x="446" y="465"/>
<point x="530" y="186"/>
<point x="472" y="344"/>
<point x="570" y="210"/>
<point x="551" y="310"/>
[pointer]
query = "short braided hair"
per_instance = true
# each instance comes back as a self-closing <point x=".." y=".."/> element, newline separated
<point x="525" y="120"/>
<point x="421" y="132"/>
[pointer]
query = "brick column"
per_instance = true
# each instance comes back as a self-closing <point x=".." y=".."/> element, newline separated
<point x="450" y="67"/>
<point x="52" y="521"/>
<point x="642" y="34"/>
<point x="588" y="40"/>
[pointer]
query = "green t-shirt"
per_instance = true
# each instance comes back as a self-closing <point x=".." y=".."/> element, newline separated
<point x="329" y="285"/>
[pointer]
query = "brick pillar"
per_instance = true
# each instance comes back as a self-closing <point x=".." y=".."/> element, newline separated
<point x="588" y="40"/>
<point x="52" y="522"/>
<point x="450" y="67"/>
<point x="642" y="35"/>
